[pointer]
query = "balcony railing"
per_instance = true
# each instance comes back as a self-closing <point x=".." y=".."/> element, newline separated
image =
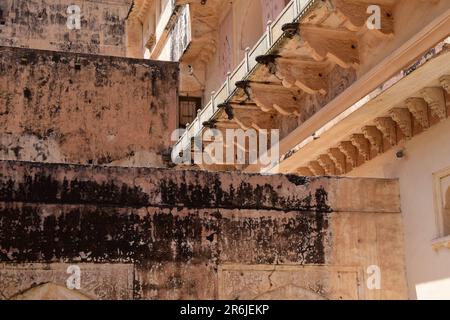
<point x="292" y="12"/>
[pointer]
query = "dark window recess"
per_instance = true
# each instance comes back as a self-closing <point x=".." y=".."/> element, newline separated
<point x="2" y="20"/>
<point x="188" y="110"/>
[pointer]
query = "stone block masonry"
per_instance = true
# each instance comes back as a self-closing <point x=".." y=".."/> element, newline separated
<point x="197" y="235"/>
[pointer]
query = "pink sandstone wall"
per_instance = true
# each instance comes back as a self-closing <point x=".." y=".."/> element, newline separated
<point x="173" y="234"/>
<point x="85" y="109"/>
<point x="271" y="9"/>
<point x="41" y="24"/>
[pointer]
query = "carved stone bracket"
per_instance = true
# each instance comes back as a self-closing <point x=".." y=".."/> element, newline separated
<point x="273" y="97"/>
<point x="387" y="127"/>
<point x="310" y="77"/>
<point x="356" y="16"/>
<point x="350" y="151"/>
<point x="419" y="109"/>
<point x="445" y="83"/>
<point x="340" y="47"/>
<point x="339" y="160"/>
<point x="228" y="110"/>
<point x="251" y="117"/>
<point x="244" y="85"/>
<point x="362" y="144"/>
<point x="374" y="136"/>
<point x="327" y="164"/>
<point x="403" y="118"/>
<point x="304" y="171"/>
<point x="436" y="101"/>
<point x="316" y="168"/>
<point x="269" y="61"/>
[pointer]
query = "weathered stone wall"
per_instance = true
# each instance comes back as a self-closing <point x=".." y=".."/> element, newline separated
<point x="198" y="235"/>
<point x="41" y="24"/>
<point x="85" y="109"/>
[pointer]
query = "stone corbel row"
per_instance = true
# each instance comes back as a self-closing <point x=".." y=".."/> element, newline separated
<point x="412" y="117"/>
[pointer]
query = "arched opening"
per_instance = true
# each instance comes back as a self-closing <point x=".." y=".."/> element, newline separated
<point x="50" y="291"/>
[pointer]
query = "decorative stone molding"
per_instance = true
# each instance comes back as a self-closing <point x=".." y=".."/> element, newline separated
<point x="445" y="83"/>
<point x="419" y="109"/>
<point x="350" y="152"/>
<point x="374" y="136"/>
<point x="403" y="118"/>
<point x="387" y="127"/>
<point x="436" y="101"/>
<point x="339" y="160"/>
<point x="362" y="144"/>
<point x="327" y="164"/>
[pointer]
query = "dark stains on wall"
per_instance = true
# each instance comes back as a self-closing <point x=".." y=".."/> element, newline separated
<point x="27" y="94"/>
<point x="244" y="196"/>
<point x="69" y="213"/>
<point x="42" y="188"/>
<point x="28" y="233"/>
<point x="48" y="186"/>
<point x="163" y="221"/>
<point x="297" y="180"/>
<point x="88" y="107"/>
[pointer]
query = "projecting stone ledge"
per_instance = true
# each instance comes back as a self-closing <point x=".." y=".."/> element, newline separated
<point x="198" y="235"/>
<point x="144" y="187"/>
